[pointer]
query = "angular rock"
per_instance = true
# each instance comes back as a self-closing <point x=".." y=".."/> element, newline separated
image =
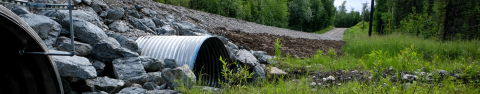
<point x="158" y="22"/>
<point x="138" y="7"/>
<point x="258" y="73"/>
<point x="139" y="25"/>
<point x="99" y="66"/>
<point x="101" y="92"/>
<point x="258" y="54"/>
<point x="183" y="74"/>
<point x="170" y="63"/>
<point x="133" y="90"/>
<point x="162" y="92"/>
<point x="265" y="59"/>
<point x="156" y="77"/>
<point x="74" y="66"/>
<point x="98" y="5"/>
<point x="262" y="57"/>
<point x="20" y="10"/>
<point x="166" y="30"/>
<point x="85" y="31"/>
<point x="105" y="84"/>
<point x="47" y="29"/>
<point x="125" y="42"/>
<point x="162" y="87"/>
<point x="150" y="86"/>
<point x="118" y="26"/>
<point x="60" y="15"/>
<point x="109" y="49"/>
<point x="135" y="14"/>
<point x="184" y="28"/>
<point x="151" y="64"/>
<point x="149" y="13"/>
<point x="277" y="71"/>
<point x="76" y="2"/>
<point x="115" y="13"/>
<point x="87" y="2"/>
<point x="65" y="44"/>
<point x="148" y="22"/>
<point x="246" y="57"/>
<point x="130" y="69"/>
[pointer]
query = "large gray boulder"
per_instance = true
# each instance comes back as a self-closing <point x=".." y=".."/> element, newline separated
<point x="105" y="84"/>
<point x="125" y="42"/>
<point x="118" y="26"/>
<point x="181" y="74"/>
<point x="115" y="13"/>
<point x="74" y="66"/>
<point x="65" y="44"/>
<point x="85" y="31"/>
<point x="166" y="30"/>
<point x="246" y="57"/>
<point x="149" y="13"/>
<point x="156" y="77"/>
<point x="130" y="69"/>
<point x="151" y="64"/>
<point x="170" y="63"/>
<point x="109" y="49"/>
<point x="163" y="92"/>
<point x="139" y="25"/>
<point x="99" y="66"/>
<point x="133" y="90"/>
<point x="47" y="29"/>
<point x="148" y="22"/>
<point x="60" y="15"/>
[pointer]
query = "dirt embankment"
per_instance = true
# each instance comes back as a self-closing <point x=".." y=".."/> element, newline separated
<point x="243" y="33"/>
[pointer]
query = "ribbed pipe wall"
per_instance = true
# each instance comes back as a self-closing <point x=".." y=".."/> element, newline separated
<point x="200" y="53"/>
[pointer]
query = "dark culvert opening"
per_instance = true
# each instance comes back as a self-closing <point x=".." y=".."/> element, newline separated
<point x="208" y="66"/>
<point x="24" y="74"/>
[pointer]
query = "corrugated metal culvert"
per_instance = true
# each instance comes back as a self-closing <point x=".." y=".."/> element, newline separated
<point x="200" y="53"/>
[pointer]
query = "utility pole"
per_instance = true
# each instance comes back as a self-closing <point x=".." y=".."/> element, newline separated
<point x="371" y="19"/>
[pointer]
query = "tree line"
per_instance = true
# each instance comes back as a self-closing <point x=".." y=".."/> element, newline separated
<point x="302" y="15"/>
<point x="349" y="19"/>
<point x="439" y="19"/>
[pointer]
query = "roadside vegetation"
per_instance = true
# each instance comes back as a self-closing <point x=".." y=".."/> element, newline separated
<point x="385" y="59"/>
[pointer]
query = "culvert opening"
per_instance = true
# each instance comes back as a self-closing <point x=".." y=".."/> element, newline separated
<point x="24" y="74"/>
<point x="200" y="53"/>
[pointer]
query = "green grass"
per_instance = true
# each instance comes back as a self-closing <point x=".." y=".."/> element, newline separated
<point x="402" y="52"/>
<point x="324" y="30"/>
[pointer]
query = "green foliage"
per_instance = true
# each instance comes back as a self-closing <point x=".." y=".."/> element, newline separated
<point x="344" y="19"/>
<point x="278" y="52"/>
<point x="236" y="77"/>
<point x="305" y="15"/>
